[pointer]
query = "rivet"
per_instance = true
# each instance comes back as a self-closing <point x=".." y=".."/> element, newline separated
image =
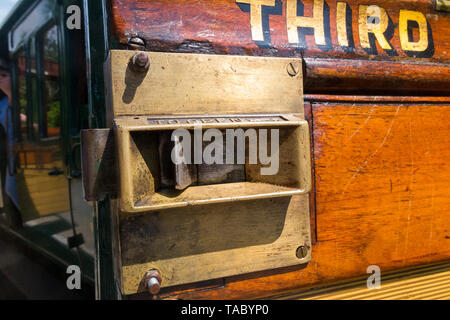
<point x="141" y="62"/>
<point x="152" y="281"/>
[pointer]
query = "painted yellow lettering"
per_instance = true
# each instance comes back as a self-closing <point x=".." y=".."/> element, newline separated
<point x="316" y="21"/>
<point x="373" y="19"/>
<point x="407" y="45"/>
<point x="341" y="24"/>
<point x="256" y="16"/>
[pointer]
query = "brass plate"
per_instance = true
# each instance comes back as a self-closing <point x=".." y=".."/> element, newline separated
<point x="214" y="241"/>
<point x="213" y="231"/>
<point x="203" y="84"/>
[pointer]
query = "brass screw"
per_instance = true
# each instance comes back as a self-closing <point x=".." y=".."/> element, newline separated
<point x="302" y="252"/>
<point x="136" y="43"/>
<point x="141" y="62"/>
<point x="293" y="69"/>
<point x="152" y="281"/>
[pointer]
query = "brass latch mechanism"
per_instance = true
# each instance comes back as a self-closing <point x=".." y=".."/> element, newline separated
<point x="210" y="160"/>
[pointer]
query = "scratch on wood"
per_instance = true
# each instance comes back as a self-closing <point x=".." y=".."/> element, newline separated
<point x="374" y="153"/>
<point x="411" y="181"/>
<point x="364" y="124"/>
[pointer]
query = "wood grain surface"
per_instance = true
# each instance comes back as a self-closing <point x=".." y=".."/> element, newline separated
<point x="381" y="147"/>
<point x="382" y="178"/>
<point x="225" y="27"/>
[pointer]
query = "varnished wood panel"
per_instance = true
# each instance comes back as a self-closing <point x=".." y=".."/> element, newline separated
<point x="225" y="27"/>
<point x="423" y="283"/>
<point x="375" y="99"/>
<point x="369" y="77"/>
<point x="381" y="171"/>
<point x="382" y="178"/>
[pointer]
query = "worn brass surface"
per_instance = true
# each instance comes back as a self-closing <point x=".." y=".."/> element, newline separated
<point x="214" y="241"/>
<point x="139" y="166"/>
<point x="203" y="84"/>
<point x="197" y="229"/>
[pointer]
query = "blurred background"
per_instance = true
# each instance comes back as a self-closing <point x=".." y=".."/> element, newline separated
<point x="24" y="273"/>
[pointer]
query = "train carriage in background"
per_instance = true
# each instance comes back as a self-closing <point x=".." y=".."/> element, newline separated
<point x="357" y="90"/>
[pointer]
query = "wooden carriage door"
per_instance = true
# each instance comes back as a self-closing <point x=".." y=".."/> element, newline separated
<point x="41" y="171"/>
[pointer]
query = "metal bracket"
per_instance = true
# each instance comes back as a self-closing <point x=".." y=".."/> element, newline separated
<point x="75" y="241"/>
<point x="98" y="153"/>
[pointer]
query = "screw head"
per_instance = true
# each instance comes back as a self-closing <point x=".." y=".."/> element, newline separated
<point x="152" y="281"/>
<point x="153" y="286"/>
<point x="293" y="69"/>
<point x="141" y="62"/>
<point x="136" y="43"/>
<point x="302" y="252"/>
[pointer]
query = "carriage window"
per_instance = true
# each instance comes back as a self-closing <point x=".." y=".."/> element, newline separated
<point x="51" y="90"/>
<point x="33" y="87"/>
<point x="21" y="67"/>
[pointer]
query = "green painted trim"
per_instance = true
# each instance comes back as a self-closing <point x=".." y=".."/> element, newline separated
<point x="97" y="48"/>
